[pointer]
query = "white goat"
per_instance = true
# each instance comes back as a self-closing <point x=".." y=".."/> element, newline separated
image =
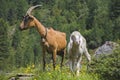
<point x="76" y="47"/>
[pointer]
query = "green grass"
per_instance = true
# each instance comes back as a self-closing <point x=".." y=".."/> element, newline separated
<point x="51" y="74"/>
<point x="62" y="75"/>
<point x="65" y="74"/>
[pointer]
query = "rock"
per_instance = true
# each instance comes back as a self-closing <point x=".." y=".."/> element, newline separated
<point x="106" y="48"/>
<point x="21" y="76"/>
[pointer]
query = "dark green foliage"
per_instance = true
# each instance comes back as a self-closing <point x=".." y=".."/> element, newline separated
<point x="4" y="8"/>
<point x="16" y="39"/>
<point x="21" y="8"/>
<point x="4" y="49"/>
<point x="107" y="66"/>
<point x="114" y="9"/>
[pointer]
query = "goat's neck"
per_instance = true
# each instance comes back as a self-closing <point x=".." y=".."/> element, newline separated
<point x="75" y="46"/>
<point x="41" y="29"/>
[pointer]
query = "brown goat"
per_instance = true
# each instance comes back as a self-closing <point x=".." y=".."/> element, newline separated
<point x="52" y="41"/>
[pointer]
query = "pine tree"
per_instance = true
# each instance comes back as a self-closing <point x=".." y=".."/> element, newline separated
<point x="3" y="43"/>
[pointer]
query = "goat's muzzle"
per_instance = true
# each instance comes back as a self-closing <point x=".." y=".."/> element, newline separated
<point x="21" y="29"/>
<point x="22" y="26"/>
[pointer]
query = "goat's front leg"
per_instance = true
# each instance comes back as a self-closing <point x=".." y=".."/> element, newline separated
<point x="44" y="58"/>
<point x="54" y="58"/>
<point x="71" y="65"/>
<point x="78" y="66"/>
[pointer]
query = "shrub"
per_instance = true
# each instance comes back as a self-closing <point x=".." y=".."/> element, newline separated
<point x="107" y="66"/>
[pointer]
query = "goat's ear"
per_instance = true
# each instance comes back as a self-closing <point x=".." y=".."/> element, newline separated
<point x="23" y="17"/>
<point x="30" y="17"/>
<point x="80" y="39"/>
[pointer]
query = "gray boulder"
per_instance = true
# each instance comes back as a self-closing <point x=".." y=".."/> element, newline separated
<point x="106" y="48"/>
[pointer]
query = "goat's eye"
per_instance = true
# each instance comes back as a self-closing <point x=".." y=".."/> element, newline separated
<point x="25" y="19"/>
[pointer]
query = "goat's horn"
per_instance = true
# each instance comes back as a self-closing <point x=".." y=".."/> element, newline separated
<point x="31" y="8"/>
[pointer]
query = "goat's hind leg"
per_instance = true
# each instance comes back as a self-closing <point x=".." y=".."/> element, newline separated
<point x="63" y="56"/>
<point x="62" y="61"/>
<point x="87" y="55"/>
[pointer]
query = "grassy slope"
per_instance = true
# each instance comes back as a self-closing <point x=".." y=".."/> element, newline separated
<point x="50" y="74"/>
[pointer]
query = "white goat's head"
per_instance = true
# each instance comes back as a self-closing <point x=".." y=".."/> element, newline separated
<point x="75" y="38"/>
